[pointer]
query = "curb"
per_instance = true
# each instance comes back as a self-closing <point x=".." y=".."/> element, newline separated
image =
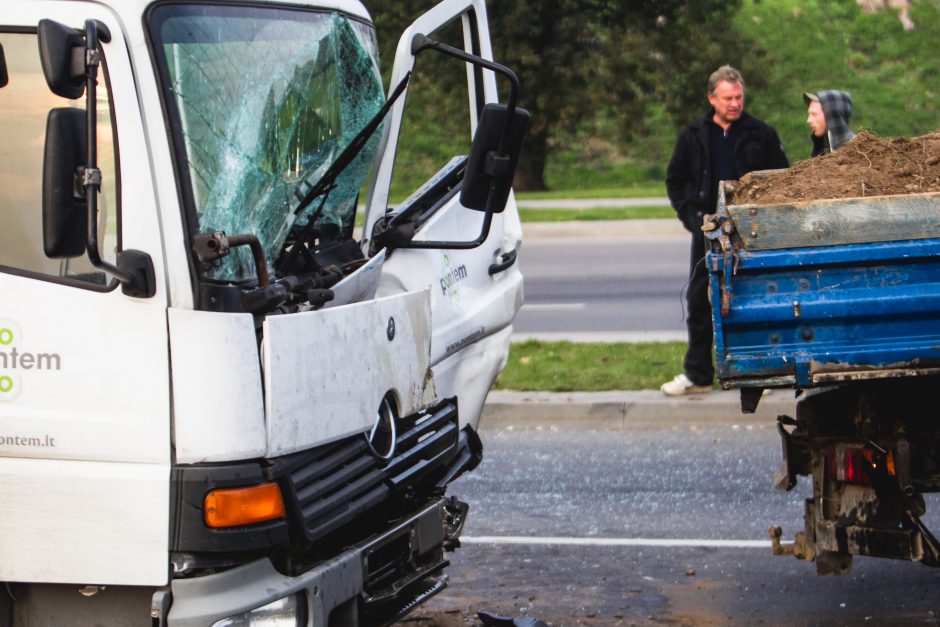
<point x="628" y="410"/>
<point x="602" y="337"/>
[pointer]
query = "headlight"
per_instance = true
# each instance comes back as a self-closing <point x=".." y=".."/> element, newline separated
<point x="289" y="611"/>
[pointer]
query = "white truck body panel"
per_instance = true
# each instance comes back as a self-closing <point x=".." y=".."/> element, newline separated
<point x="83" y="522"/>
<point x="326" y="372"/>
<point x="132" y="10"/>
<point x="218" y="404"/>
<point x="104" y="400"/>
<point x="85" y="462"/>
<point x="472" y="372"/>
<point x="85" y="443"/>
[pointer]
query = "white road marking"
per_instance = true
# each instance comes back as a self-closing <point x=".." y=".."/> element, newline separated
<point x="650" y="542"/>
<point x="553" y="306"/>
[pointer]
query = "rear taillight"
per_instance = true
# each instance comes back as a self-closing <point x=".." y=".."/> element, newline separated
<point x="855" y="464"/>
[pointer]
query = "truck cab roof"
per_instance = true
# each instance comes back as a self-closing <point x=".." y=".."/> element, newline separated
<point x="138" y="7"/>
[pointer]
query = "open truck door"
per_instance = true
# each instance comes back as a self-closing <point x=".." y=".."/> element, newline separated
<point x="459" y="232"/>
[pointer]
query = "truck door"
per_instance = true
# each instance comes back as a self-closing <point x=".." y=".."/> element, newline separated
<point x="475" y="292"/>
<point x="84" y="394"/>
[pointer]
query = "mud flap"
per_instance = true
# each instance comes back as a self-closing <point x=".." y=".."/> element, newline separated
<point x="795" y="454"/>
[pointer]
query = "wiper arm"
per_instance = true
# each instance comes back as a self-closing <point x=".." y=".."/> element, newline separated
<point x="328" y="180"/>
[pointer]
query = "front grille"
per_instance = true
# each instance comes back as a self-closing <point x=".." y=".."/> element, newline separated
<point x="337" y="483"/>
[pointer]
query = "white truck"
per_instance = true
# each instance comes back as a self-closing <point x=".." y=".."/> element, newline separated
<point x="219" y="405"/>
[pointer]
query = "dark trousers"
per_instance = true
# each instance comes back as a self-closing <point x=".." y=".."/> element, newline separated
<point x="699" y="366"/>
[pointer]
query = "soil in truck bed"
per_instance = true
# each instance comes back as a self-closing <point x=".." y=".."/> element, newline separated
<point x="866" y="166"/>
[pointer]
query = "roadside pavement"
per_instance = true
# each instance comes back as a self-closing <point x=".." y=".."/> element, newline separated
<point x="628" y="409"/>
<point x="653" y="228"/>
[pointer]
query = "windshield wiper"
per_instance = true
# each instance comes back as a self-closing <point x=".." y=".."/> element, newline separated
<point x="327" y="182"/>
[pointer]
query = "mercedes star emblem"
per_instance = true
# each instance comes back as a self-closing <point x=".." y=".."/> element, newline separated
<point x="383" y="437"/>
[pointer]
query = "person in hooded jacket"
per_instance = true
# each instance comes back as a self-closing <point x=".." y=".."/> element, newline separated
<point x="828" y="116"/>
<point x="723" y="145"/>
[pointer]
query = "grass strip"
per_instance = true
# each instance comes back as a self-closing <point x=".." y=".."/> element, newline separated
<point x="640" y="190"/>
<point x="574" y="367"/>
<point x="597" y="213"/>
<point x="585" y="215"/>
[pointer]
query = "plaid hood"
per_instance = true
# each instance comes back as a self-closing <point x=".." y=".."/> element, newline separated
<point x="837" y="107"/>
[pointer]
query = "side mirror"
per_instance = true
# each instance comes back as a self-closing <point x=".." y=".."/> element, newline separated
<point x="4" y="77"/>
<point x="494" y="153"/>
<point x="62" y="54"/>
<point x="492" y="161"/>
<point x="64" y="208"/>
<point x="71" y="178"/>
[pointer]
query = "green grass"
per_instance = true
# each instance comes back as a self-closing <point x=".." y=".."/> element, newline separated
<point x="569" y="367"/>
<point x="574" y="170"/>
<point x="585" y="215"/>
<point x="600" y="213"/>
<point x="640" y="190"/>
<point x="825" y="44"/>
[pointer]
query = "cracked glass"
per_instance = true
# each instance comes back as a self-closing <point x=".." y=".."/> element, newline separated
<point x="266" y="99"/>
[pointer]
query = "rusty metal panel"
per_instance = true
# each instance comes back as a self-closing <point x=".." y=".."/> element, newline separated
<point x="837" y="222"/>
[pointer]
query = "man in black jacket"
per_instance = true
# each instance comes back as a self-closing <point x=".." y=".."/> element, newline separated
<point x="725" y="144"/>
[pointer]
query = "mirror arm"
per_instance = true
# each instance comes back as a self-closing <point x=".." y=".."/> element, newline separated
<point x="4" y="76"/>
<point x="90" y="175"/>
<point x="136" y="275"/>
<point x="423" y="42"/>
<point x="484" y="233"/>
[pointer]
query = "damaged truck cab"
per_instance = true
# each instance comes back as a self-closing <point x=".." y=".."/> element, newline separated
<point x="220" y="404"/>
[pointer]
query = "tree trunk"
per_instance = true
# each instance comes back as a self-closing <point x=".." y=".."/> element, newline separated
<point x="530" y="173"/>
<point x="528" y="179"/>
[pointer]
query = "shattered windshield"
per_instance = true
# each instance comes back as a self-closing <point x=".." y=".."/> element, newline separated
<point x="266" y="99"/>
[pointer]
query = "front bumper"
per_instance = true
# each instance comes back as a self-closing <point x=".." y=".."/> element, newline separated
<point x="383" y="569"/>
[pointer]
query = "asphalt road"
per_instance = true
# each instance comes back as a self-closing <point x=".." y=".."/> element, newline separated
<point x="606" y="284"/>
<point x="660" y="525"/>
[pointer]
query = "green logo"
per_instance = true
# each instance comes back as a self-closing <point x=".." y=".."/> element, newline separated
<point x="450" y="278"/>
<point x="10" y="359"/>
<point x="8" y="388"/>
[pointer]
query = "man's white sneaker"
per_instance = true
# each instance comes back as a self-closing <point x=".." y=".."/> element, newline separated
<point x="680" y="386"/>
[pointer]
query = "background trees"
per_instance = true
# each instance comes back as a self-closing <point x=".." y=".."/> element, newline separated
<point x="609" y="82"/>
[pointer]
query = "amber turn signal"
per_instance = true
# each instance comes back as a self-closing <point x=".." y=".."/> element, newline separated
<point x="236" y="507"/>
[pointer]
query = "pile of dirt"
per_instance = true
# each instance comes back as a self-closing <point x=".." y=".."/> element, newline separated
<point x="868" y="165"/>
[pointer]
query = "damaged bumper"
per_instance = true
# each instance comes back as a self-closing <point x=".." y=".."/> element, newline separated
<point x="376" y="581"/>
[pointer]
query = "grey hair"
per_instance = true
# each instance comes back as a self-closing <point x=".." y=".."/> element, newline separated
<point x="724" y="73"/>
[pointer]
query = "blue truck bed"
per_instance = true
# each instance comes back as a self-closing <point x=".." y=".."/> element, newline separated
<point x="816" y="293"/>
